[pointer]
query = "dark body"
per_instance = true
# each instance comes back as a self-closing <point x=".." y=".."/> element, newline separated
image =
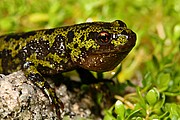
<point x="96" y="46"/>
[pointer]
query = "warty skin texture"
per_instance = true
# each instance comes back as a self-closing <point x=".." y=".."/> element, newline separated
<point x="95" y="46"/>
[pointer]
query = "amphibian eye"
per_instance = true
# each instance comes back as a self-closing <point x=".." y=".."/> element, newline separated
<point x="103" y="38"/>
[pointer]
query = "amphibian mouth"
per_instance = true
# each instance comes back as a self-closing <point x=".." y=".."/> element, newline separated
<point x="96" y="46"/>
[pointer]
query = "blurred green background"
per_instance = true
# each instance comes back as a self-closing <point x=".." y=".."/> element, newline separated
<point x="155" y="60"/>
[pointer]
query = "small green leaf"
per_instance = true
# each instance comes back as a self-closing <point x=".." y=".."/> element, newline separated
<point x="177" y="31"/>
<point x="147" y="81"/>
<point x="133" y="113"/>
<point x="160" y="103"/>
<point x="108" y="115"/>
<point x="141" y="98"/>
<point x="139" y="118"/>
<point x="163" y="81"/>
<point x="120" y="109"/>
<point x="152" y="96"/>
<point x="174" y="110"/>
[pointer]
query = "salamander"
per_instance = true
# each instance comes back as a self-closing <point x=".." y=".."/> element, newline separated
<point x="94" y="46"/>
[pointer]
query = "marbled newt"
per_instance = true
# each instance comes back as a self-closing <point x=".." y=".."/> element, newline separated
<point x="95" y="46"/>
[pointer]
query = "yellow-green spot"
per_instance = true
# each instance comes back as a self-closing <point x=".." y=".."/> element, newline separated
<point x="75" y="54"/>
<point x="120" y="41"/>
<point x="90" y="43"/>
<point x="40" y="84"/>
<point x="36" y="61"/>
<point x="56" y="58"/>
<point x="31" y="69"/>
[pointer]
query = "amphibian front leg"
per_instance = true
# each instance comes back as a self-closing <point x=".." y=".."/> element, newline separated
<point x="32" y="74"/>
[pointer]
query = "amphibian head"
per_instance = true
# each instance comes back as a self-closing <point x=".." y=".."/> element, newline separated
<point x="100" y="46"/>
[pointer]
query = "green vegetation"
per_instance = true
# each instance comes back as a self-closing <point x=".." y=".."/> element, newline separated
<point x="152" y="69"/>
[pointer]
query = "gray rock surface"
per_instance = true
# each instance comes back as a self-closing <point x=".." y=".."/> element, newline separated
<point x="22" y="100"/>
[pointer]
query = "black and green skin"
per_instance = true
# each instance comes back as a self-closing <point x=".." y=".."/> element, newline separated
<point x="95" y="46"/>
